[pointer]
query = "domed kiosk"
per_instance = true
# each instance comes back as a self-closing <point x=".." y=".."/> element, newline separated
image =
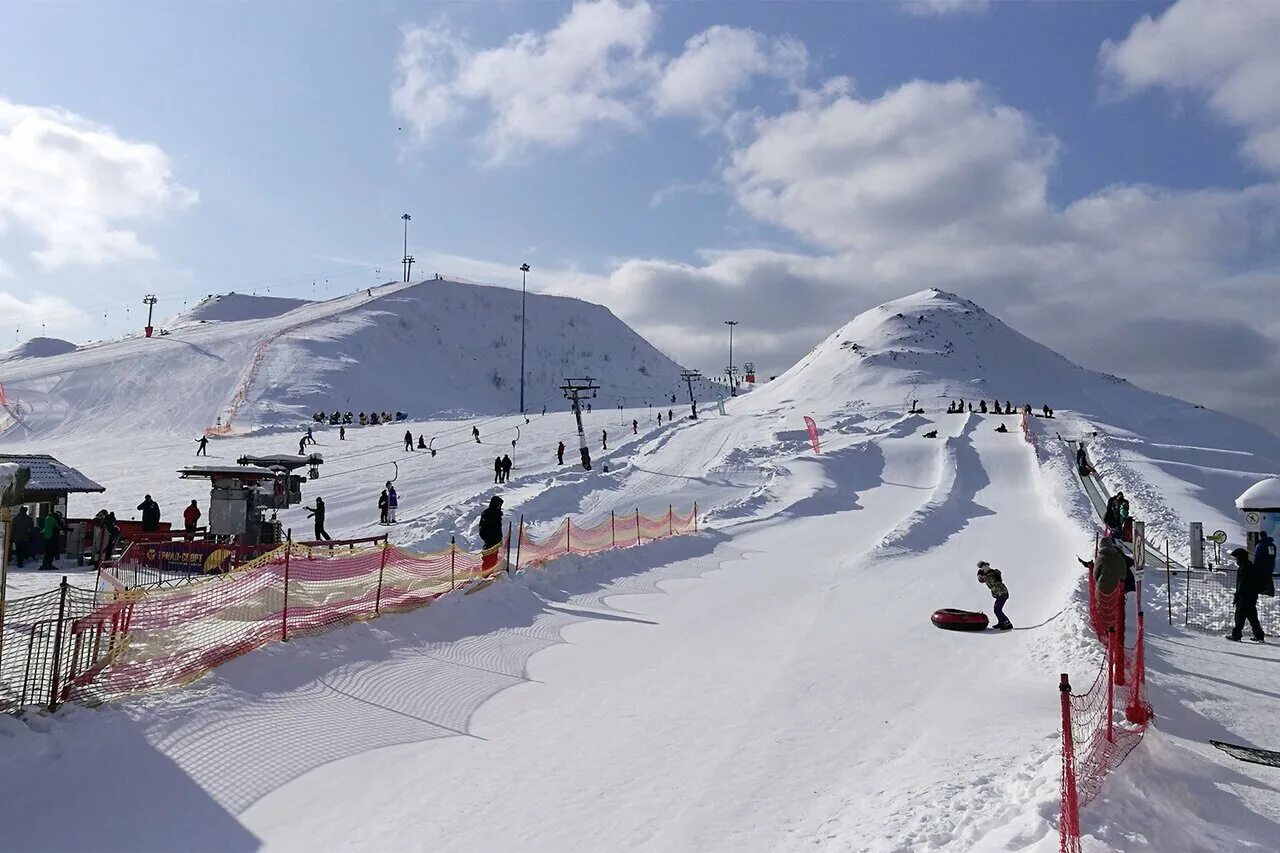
<point x="1260" y="504"/>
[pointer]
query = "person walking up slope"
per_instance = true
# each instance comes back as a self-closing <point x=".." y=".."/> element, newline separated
<point x="317" y="512"/>
<point x="991" y="577"/>
<point x="506" y="468"/>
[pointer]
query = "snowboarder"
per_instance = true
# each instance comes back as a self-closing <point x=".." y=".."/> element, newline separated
<point x="560" y="454"/>
<point x="24" y="530"/>
<point x="150" y="515"/>
<point x="635" y="427"/>
<point x="382" y="508"/>
<point x="49" y="530"/>
<point x="491" y="533"/>
<point x="191" y="516"/>
<point x="506" y="468"/>
<point x="1250" y="583"/>
<point x="342" y="433"/>
<point x="497" y="469"/>
<point x="604" y="438"/>
<point x="1002" y="428"/>
<point x="302" y="446"/>
<point x="393" y="501"/>
<point x="203" y="449"/>
<point x="408" y="440"/>
<point x="317" y="512"/>
<point x="422" y="444"/>
<point x="991" y="577"/>
<point x="475" y="433"/>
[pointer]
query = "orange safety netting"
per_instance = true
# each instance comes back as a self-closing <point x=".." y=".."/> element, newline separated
<point x="163" y="635"/>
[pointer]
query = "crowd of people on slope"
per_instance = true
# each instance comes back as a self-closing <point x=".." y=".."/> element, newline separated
<point x="959" y="407"/>
<point x="373" y="418"/>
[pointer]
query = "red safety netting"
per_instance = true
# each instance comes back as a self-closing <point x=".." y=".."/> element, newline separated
<point x="164" y="635"/>
<point x="1105" y="723"/>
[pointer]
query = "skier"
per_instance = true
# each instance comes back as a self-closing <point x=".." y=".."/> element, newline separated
<point x="1250" y="583"/>
<point x="995" y="583"/>
<point x="393" y="501"/>
<point x="635" y="427"/>
<point x="497" y="469"/>
<point x="475" y="433"/>
<point x="382" y="508"/>
<point x="604" y="438"/>
<point x="342" y="433"/>
<point x="203" y="449"/>
<point x="318" y="513"/>
<point x="491" y="533"/>
<point x="422" y="445"/>
<point x="24" y="530"/>
<point x="150" y="515"/>
<point x="50" y="527"/>
<point x="191" y="516"/>
<point x="302" y="446"/>
<point x="408" y="440"/>
<point x="506" y="468"/>
<point x="560" y="454"/>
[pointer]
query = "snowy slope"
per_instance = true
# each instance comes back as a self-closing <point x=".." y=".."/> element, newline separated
<point x="38" y="348"/>
<point x="230" y="307"/>
<point x="773" y="684"/>
<point x="424" y="348"/>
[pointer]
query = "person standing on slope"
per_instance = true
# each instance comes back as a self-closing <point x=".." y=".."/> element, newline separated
<point x="1108" y="579"/>
<point x="302" y="446"/>
<point x="604" y="439"/>
<point x="506" y="468"/>
<point x="51" y="527"/>
<point x="342" y="433"/>
<point x="1264" y="554"/>
<point x="317" y="512"/>
<point x="24" y="530"/>
<point x="991" y="577"/>
<point x="393" y="501"/>
<point x="635" y="426"/>
<point x="408" y="440"/>
<point x="1250" y="583"/>
<point x="382" y="508"/>
<point x="497" y="469"/>
<point x="203" y="449"/>
<point x="191" y="516"/>
<point x="150" y="515"/>
<point x="491" y="533"/>
<point x="475" y="433"/>
<point x="560" y="454"/>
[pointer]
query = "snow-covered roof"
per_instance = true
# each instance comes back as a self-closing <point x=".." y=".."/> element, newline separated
<point x="1261" y="495"/>
<point x="50" y="475"/>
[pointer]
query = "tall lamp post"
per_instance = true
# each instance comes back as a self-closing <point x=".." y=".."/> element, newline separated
<point x="733" y="391"/>
<point x="524" y="277"/>
<point x="405" y="260"/>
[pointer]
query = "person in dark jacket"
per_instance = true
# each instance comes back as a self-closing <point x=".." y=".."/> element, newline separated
<point x="475" y="433"/>
<point x="491" y="533"/>
<point x="506" y="468"/>
<point x="317" y="512"/>
<point x="24" y="530"/>
<point x="150" y="515"/>
<point x="382" y="508"/>
<point x="1249" y="584"/>
<point x="203" y="449"/>
<point x="991" y="577"/>
<point x="191" y="516"/>
<point x="1109" y="573"/>
<point x="49" y="530"/>
<point x="1082" y="460"/>
<point x="635" y="426"/>
<point x="408" y="440"/>
<point x="422" y="444"/>
<point x="1264" y="554"/>
<point x="604" y="439"/>
<point x="560" y="454"/>
<point x="497" y="469"/>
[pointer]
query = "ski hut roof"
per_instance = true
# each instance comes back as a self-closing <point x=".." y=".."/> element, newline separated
<point x="1264" y="494"/>
<point x="49" y="476"/>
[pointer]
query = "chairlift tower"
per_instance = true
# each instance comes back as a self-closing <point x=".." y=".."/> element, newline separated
<point x="688" y="376"/>
<point x="150" y="301"/>
<point x="574" y="391"/>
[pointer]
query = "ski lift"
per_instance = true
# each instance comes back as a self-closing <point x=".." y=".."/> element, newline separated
<point x="313" y="472"/>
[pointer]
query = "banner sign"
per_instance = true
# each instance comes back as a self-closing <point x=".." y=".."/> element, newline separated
<point x="813" y="433"/>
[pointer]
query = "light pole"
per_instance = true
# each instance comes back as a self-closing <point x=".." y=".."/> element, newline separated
<point x="733" y="392"/>
<point x="405" y="260"/>
<point x="524" y="277"/>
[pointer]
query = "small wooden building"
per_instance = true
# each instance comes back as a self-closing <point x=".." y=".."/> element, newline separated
<point x="51" y="484"/>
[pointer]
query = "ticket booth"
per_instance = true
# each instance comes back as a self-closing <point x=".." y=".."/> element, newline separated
<point x="1260" y="505"/>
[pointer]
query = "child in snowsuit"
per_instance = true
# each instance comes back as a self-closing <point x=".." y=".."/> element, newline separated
<point x="991" y="577"/>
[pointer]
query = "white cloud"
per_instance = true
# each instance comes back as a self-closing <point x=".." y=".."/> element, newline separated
<point x="78" y="186"/>
<point x="1225" y="51"/>
<point x="595" y="71"/>
<point x="939" y="8"/>
<point x="719" y="63"/>
<point x="56" y="315"/>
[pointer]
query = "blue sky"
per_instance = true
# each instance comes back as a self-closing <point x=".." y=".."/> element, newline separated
<point x="786" y="163"/>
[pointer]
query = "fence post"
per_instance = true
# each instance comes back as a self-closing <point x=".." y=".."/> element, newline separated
<point x="1111" y="682"/>
<point x="1069" y="814"/>
<point x="508" y="547"/>
<point x="568" y="535"/>
<point x="453" y="549"/>
<point x="671" y="524"/>
<point x="377" y="602"/>
<point x="637" y="525"/>
<point x="519" y="541"/>
<point x="284" y="611"/>
<point x="57" y="644"/>
<point x="695" y="516"/>
<point x="613" y="530"/>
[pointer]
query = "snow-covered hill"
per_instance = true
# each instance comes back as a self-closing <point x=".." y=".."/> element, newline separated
<point x="38" y="348"/>
<point x="425" y="348"/>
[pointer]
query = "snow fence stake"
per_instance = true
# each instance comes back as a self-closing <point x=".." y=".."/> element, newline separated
<point x="613" y="530"/>
<point x="508" y="547"/>
<point x="637" y="525"/>
<point x="695" y="516"/>
<point x="57" y="644"/>
<point x="284" y="611"/>
<point x="568" y="535"/>
<point x="1069" y="812"/>
<point x="671" y="525"/>
<point x="519" y="541"/>
<point x="377" y="602"/>
<point x="453" y="549"/>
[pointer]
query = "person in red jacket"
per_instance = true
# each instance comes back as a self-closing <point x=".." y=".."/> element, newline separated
<point x="191" y="516"/>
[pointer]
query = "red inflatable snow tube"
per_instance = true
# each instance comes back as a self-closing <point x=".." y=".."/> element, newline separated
<point x="951" y="619"/>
